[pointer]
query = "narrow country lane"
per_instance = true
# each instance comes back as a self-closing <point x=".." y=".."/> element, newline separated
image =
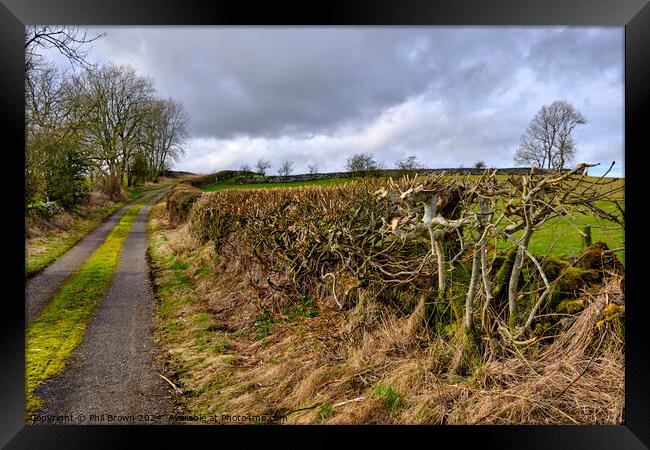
<point x="113" y="376"/>
<point x="40" y="288"/>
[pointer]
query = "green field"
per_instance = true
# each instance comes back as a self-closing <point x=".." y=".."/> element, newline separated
<point x="562" y="236"/>
<point x="230" y="183"/>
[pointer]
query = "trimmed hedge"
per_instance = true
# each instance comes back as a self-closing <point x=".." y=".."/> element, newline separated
<point x="180" y="201"/>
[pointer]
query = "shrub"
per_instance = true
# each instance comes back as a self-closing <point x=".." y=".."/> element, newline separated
<point x="66" y="177"/>
<point x="180" y="201"/>
<point x="309" y="232"/>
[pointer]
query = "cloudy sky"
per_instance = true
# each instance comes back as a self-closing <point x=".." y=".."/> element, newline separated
<point x="449" y="95"/>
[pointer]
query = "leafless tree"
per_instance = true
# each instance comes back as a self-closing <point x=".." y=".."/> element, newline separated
<point x="53" y="121"/>
<point x="408" y="163"/>
<point x="480" y="165"/>
<point x="163" y="131"/>
<point x="48" y="116"/>
<point x="286" y="168"/>
<point x="548" y="142"/>
<point x="263" y="165"/>
<point x="245" y="168"/>
<point x="361" y="162"/>
<point x="119" y="103"/>
<point x="71" y="41"/>
<point x="313" y="168"/>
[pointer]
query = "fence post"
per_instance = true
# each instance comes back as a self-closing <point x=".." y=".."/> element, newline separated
<point x="586" y="237"/>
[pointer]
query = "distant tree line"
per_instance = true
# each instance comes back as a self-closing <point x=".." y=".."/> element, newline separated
<point x="100" y="127"/>
<point x="547" y="144"/>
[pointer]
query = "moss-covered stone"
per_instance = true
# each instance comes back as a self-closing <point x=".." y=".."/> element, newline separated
<point x="457" y="286"/>
<point x="471" y="357"/>
<point x="570" y="306"/>
<point x="595" y="257"/>
<point x="553" y="266"/>
<point x="570" y="283"/>
<point x="502" y="278"/>
<point x="496" y="265"/>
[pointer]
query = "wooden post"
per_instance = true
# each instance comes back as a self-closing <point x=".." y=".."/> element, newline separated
<point x="586" y="237"/>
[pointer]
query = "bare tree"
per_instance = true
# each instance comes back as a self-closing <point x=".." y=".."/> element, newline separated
<point x="263" y="165"/>
<point x="313" y="168"/>
<point x="361" y="162"/>
<point x="163" y="130"/>
<point x="245" y="168"/>
<point x="548" y="142"/>
<point x="52" y="124"/>
<point x="408" y="163"/>
<point x="70" y="40"/>
<point x="172" y="132"/>
<point x="480" y="165"/>
<point x="118" y="102"/>
<point x="48" y="115"/>
<point x="286" y="168"/>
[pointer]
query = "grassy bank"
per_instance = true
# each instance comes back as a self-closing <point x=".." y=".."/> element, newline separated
<point x="184" y="326"/>
<point x="43" y="251"/>
<point x="60" y="327"/>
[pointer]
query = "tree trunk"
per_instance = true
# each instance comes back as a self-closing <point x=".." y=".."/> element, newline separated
<point x="514" y="277"/>
<point x="469" y="300"/>
<point x="441" y="263"/>
<point x="487" y="285"/>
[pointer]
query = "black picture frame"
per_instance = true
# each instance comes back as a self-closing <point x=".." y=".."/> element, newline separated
<point x="634" y="15"/>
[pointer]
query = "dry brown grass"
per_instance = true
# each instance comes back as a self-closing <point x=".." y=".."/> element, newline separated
<point x="98" y="199"/>
<point x="579" y="378"/>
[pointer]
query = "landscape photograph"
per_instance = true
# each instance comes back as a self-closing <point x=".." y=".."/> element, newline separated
<point x="324" y="225"/>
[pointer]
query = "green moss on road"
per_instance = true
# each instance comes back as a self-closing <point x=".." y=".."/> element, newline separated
<point x="60" y="327"/>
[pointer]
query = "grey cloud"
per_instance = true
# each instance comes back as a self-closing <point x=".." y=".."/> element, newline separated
<point x="566" y="54"/>
<point x="267" y="82"/>
<point x="314" y="85"/>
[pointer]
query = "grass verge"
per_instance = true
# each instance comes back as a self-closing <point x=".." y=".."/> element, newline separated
<point x="42" y="252"/>
<point x="187" y="332"/>
<point x="60" y="327"/>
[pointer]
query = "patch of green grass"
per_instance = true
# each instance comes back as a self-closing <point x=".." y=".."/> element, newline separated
<point x="55" y="245"/>
<point x="562" y="235"/>
<point x="325" y="412"/>
<point x="262" y="325"/>
<point x="60" y="327"/>
<point x="390" y="397"/>
<point x="178" y="265"/>
<point x="304" y="307"/>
